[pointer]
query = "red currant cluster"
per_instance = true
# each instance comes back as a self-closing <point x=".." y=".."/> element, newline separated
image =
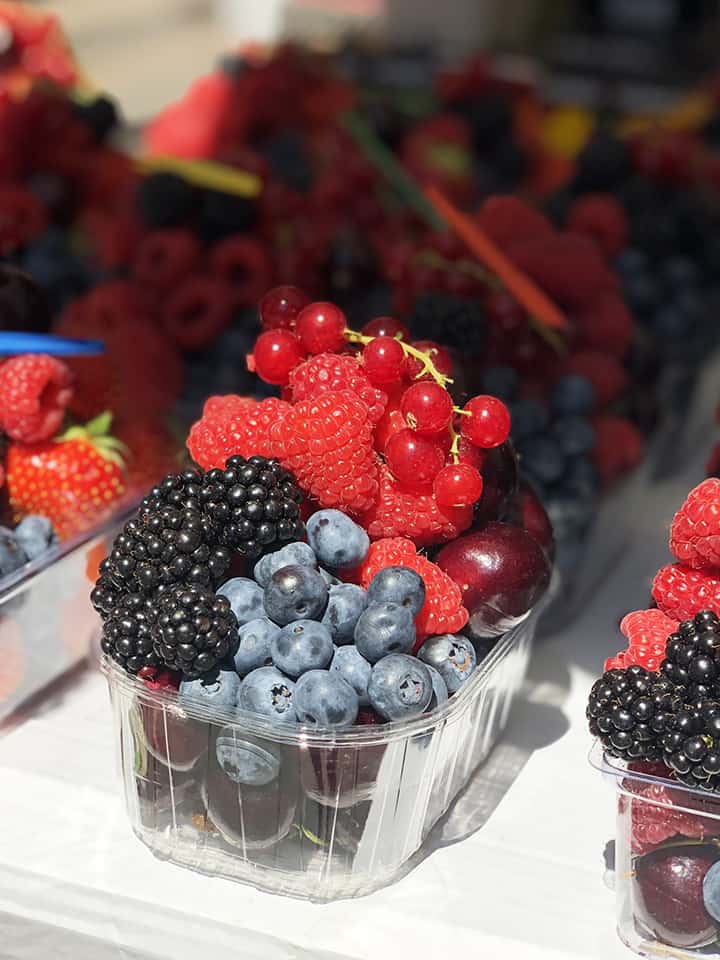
<point x="425" y="440"/>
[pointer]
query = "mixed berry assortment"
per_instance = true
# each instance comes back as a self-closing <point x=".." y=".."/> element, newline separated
<point x="657" y="708"/>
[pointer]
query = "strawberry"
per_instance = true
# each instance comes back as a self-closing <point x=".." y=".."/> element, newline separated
<point x="73" y="480"/>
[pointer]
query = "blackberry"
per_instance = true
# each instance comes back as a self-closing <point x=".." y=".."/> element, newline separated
<point x="169" y="540"/>
<point x="630" y="710"/>
<point x="692" y="658"/>
<point x="602" y="164"/>
<point x="127" y="634"/>
<point x="691" y="744"/>
<point x="100" y="116"/>
<point x="455" y="321"/>
<point x="165" y="200"/>
<point x="254" y="503"/>
<point x="196" y="630"/>
<point x="23" y="305"/>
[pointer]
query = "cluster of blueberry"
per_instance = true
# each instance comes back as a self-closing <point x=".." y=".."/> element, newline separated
<point x="316" y="650"/>
<point x="554" y="442"/>
<point x="30" y="539"/>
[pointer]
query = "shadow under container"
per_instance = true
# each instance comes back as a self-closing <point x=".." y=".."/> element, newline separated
<point x="47" y="623"/>
<point x="318" y="815"/>
<point x="667" y="842"/>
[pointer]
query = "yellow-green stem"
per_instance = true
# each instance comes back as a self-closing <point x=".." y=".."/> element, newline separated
<point x="427" y="365"/>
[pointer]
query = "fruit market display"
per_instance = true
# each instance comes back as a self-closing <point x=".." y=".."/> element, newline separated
<point x="656" y="711"/>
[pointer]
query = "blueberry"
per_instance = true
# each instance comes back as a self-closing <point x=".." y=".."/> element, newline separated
<point x="671" y="322"/>
<point x="247" y="760"/>
<point x="324" y="699"/>
<point x="573" y="394"/>
<point x="631" y="261"/>
<point x="12" y="556"/>
<point x="336" y="539"/>
<point x="501" y="382"/>
<point x="298" y="554"/>
<point x="330" y="579"/>
<point x="398" y="585"/>
<point x="219" y="688"/>
<point x="680" y="272"/>
<point x="384" y="628"/>
<point x="246" y="599"/>
<point x="543" y="458"/>
<point x="452" y="656"/>
<point x="266" y="691"/>
<point x="642" y="293"/>
<point x="711" y="891"/>
<point x="295" y="593"/>
<point x="253" y="650"/>
<point x="440" y="691"/>
<point x="301" y="646"/>
<point x="580" y="478"/>
<point x="346" y="602"/>
<point x="400" y="687"/>
<point x="528" y="418"/>
<point x="354" y="669"/>
<point x="35" y="535"/>
<point x="575" y="435"/>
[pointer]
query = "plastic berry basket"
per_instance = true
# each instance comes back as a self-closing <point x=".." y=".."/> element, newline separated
<point x="47" y="624"/>
<point x="340" y="813"/>
<point x="667" y="837"/>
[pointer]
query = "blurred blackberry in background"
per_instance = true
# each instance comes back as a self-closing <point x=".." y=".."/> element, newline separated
<point x="349" y="273"/>
<point x="99" y="115"/>
<point x="222" y="214"/>
<point x="453" y="321"/>
<point x="289" y="163"/>
<point x="56" y="193"/>
<point x="165" y="200"/>
<point x="602" y="164"/>
<point x="22" y="303"/>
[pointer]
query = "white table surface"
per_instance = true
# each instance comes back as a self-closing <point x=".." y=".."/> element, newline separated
<point x="527" y="884"/>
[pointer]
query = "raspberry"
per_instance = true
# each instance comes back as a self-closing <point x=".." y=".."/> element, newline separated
<point x="197" y="312"/>
<point x="601" y="217"/>
<point x="695" y="531"/>
<point x="505" y="218"/>
<point x="604" y="372"/>
<point x="330" y="372"/>
<point x="165" y="257"/>
<point x="243" y="265"/>
<point x="606" y="324"/>
<point x="654" y="816"/>
<point x="647" y="632"/>
<point x="234" y="425"/>
<point x="681" y="592"/>
<point x="35" y="389"/>
<point x="401" y="511"/>
<point x="618" y="446"/>
<point x="442" y="611"/>
<point x="328" y="444"/>
<point x="568" y="266"/>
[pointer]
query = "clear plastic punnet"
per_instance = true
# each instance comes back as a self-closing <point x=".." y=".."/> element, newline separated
<point x="47" y="624"/>
<point x="319" y="815"/>
<point x="667" y="862"/>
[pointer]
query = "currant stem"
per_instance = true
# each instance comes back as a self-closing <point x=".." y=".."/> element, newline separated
<point x="352" y="336"/>
<point x="454" y="452"/>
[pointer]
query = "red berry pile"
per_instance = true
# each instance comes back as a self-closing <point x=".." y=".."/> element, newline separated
<point x="369" y="425"/>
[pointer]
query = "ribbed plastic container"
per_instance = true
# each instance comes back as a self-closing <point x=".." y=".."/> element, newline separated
<point x="668" y="837"/>
<point x="337" y="813"/>
<point x="47" y="624"/>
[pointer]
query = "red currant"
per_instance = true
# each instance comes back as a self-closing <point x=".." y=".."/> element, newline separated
<point x="427" y="407"/>
<point x="442" y="361"/>
<point x="386" y="327"/>
<point x="391" y="422"/>
<point x="280" y="306"/>
<point x="468" y="453"/>
<point x="413" y="459"/>
<point x="276" y="353"/>
<point x="384" y="361"/>
<point x="321" y="327"/>
<point x="457" y="485"/>
<point x="488" y="424"/>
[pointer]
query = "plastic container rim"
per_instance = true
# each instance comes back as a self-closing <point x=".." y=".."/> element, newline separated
<point x="303" y="735"/>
